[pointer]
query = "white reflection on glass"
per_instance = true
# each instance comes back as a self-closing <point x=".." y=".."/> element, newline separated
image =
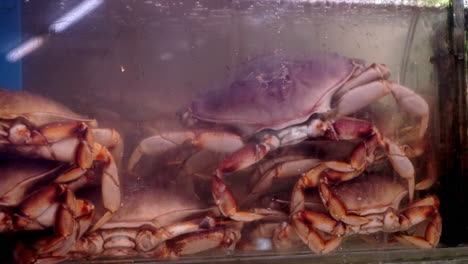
<point x="263" y="244"/>
<point x="24" y="49"/>
<point x="74" y="15"/>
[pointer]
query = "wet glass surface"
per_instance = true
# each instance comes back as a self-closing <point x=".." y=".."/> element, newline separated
<point x="179" y="87"/>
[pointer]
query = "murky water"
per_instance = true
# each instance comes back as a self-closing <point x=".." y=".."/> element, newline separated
<point x="134" y="65"/>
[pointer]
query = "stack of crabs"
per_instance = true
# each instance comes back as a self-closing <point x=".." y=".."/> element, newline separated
<point x="264" y="128"/>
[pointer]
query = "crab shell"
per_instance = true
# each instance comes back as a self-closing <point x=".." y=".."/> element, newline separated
<point x="18" y="177"/>
<point x="145" y="221"/>
<point x="274" y="92"/>
<point x="371" y="194"/>
<point x="156" y="208"/>
<point x="37" y="109"/>
<point x="372" y="203"/>
<point x="376" y="202"/>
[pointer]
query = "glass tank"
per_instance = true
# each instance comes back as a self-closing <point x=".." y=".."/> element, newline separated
<point x="232" y="131"/>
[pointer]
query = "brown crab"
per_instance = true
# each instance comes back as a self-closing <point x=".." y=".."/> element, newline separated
<point x="365" y="205"/>
<point x="156" y="223"/>
<point x="276" y="101"/>
<point x="30" y="200"/>
<point x="37" y="127"/>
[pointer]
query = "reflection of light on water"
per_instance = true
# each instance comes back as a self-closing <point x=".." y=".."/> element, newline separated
<point x="166" y="56"/>
<point x="263" y="244"/>
<point x="24" y="49"/>
<point x="74" y="15"/>
<point x="58" y="26"/>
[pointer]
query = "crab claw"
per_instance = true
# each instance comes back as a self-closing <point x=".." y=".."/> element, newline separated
<point x="110" y="186"/>
<point x="147" y="240"/>
<point x="226" y="237"/>
<point x="310" y="179"/>
<point x="158" y="144"/>
<point x="39" y="209"/>
<point x="431" y="235"/>
<point x="313" y="239"/>
<point x="401" y="164"/>
<point x="249" y="154"/>
<point x="371" y="85"/>
<point x="363" y="154"/>
<point x="111" y="139"/>
<point x="226" y="203"/>
<point x="285" y="169"/>
<point x="74" y="142"/>
<point x="73" y="218"/>
<point x="308" y="224"/>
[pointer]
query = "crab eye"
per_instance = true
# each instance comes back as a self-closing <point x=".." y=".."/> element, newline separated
<point x="287" y="78"/>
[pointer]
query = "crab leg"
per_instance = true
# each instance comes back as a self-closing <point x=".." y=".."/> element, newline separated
<point x="337" y="209"/>
<point x="307" y="232"/>
<point x="266" y="165"/>
<point x="342" y="129"/>
<point x="143" y="241"/>
<point x="18" y="193"/>
<point x="363" y="155"/>
<point x="227" y="204"/>
<point x="59" y="142"/>
<point x="431" y="177"/>
<point x="242" y="158"/>
<point x="110" y="186"/>
<point x="214" y="141"/>
<point x="417" y="213"/>
<point x="111" y="139"/>
<point x="147" y="240"/>
<point x="313" y="239"/>
<point x="308" y="224"/>
<point x="310" y="179"/>
<point x="54" y="141"/>
<point x="38" y="211"/>
<point x="110" y="182"/>
<point x="73" y="218"/>
<point x="198" y="242"/>
<point x="254" y="152"/>
<point x="431" y="235"/>
<point x="371" y="85"/>
<point x="286" y="169"/>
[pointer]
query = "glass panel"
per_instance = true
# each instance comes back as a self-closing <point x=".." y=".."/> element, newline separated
<point x="218" y="130"/>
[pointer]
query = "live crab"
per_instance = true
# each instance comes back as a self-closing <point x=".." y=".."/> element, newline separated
<point x="30" y="200"/>
<point x="152" y="223"/>
<point x="276" y="101"/>
<point x="366" y="205"/>
<point x="37" y="127"/>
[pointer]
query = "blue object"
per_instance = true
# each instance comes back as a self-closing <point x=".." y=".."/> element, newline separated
<point x="10" y="37"/>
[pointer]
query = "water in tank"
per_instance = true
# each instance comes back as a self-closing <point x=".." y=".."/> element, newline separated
<point x="204" y="131"/>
